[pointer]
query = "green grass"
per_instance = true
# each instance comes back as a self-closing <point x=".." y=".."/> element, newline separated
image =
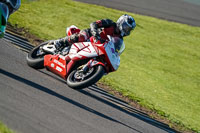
<point x="4" y="129"/>
<point x="159" y="68"/>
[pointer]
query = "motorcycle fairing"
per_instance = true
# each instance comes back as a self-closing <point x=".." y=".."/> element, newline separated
<point x="93" y="63"/>
<point x="56" y="64"/>
<point x="62" y="65"/>
<point x="113" y="57"/>
<point x="82" y="50"/>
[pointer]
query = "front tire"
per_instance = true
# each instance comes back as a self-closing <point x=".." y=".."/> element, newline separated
<point x="75" y="81"/>
<point x="33" y="59"/>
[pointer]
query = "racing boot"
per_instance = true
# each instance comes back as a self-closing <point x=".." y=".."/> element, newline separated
<point x="61" y="43"/>
<point x="69" y="40"/>
<point x="56" y="45"/>
<point x="66" y="41"/>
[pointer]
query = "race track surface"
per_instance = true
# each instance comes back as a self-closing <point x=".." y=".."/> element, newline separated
<point x="183" y="11"/>
<point x="33" y="101"/>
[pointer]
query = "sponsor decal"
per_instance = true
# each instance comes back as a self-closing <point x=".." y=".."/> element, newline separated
<point x="52" y="65"/>
<point x="62" y="57"/>
<point x="112" y="49"/>
<point x="59" y="63"/>
<point x="59" y="69"/>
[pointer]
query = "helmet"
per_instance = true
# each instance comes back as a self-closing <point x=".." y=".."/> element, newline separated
<point x="3" y="18"/>
<point x="125" y="24"/>
<point x="72" y="30"/>
<point x="13" y="5"/>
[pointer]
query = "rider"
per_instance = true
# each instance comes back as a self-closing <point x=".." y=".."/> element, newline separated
<point x="99" y="30"/>
<point x="7" y="7"/>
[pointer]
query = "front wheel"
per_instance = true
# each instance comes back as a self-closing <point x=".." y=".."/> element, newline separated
<point x="35" y="57"/>
<point x="78" y="79"/>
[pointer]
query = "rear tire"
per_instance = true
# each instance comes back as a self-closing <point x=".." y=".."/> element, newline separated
<point x="95" y="76"/>
<point x="35" y="61"/>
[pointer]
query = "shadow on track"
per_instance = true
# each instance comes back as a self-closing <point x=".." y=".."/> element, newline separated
<point x="134" y="113"/>
<point x="48" y="91"/>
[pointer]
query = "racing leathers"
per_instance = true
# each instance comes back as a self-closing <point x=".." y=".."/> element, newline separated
<point x="99" y="29"/>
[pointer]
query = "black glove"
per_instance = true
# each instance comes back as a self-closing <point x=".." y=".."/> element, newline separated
<point x="96" y="39"/>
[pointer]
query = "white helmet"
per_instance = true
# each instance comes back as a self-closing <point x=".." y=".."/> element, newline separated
<point x="126" y="24"/>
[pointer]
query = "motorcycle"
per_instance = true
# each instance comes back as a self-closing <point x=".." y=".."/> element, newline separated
<point x="82" y="64"/>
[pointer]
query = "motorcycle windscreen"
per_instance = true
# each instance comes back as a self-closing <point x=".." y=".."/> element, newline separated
<point x="121" y="49"/>
<point x="118" y="43"/>
<point x="112" y="55"/>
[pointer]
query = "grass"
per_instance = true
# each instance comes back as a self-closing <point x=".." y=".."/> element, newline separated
<point x="4" y="129"/>
<point x="159" y="68"/>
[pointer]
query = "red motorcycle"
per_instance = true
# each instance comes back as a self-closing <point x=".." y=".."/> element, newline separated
<point x="82" y="64"/>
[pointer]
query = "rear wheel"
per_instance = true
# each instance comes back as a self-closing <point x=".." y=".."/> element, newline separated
<point x="35" y="57"/>
<point x="78" y="79"/>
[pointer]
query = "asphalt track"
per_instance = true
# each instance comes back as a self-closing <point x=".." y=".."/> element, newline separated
<point x="182" y="11"/>
<point x="34" y="101"/>
<point x="37" y="101"/>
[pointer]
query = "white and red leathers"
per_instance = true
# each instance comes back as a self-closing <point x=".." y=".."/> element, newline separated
<point x="99" y="29"/>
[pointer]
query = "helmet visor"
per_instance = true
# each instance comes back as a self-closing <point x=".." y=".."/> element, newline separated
<point x="126" y="28"/>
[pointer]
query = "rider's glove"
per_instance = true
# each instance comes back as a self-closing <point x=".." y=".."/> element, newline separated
<point x="98" y="40"/>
